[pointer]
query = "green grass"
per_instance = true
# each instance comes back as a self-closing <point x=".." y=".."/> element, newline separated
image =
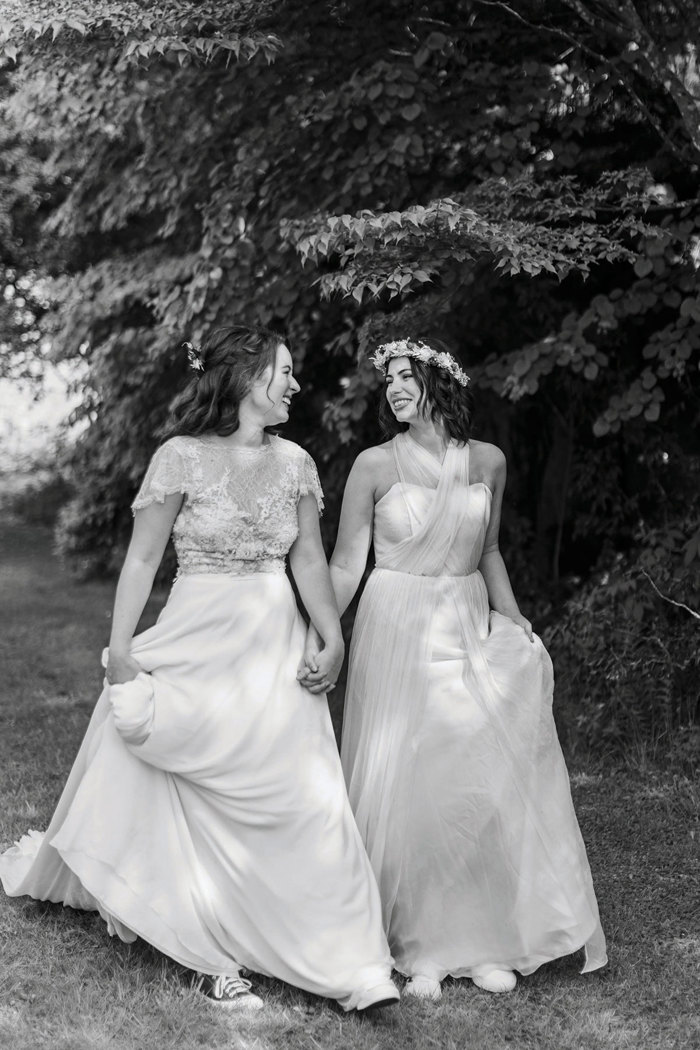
<point x="65" y="985"/>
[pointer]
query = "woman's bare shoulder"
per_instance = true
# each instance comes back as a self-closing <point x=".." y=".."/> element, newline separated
<point x="487" y="455"/>
<point x="374" y="468"/>
<point x="374" y="456"/>
<point x="487" y="463"/>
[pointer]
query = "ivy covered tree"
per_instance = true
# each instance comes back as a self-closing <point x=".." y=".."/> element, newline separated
<point x="520" y="179"/>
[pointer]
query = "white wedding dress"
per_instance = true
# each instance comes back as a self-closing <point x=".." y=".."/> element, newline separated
<point x="206" y="810"/>
<point x="450" y="753"/>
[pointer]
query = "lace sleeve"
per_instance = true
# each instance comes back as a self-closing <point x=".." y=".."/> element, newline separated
<point x="165" y="475"/>
<point x="309" y="481"/>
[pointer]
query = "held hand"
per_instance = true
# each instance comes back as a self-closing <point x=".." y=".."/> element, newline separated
<point x="309" y="661"/>
<point x="121" y="668"/>
<point x="328" y="663"/>
<point x="525" y="624"/>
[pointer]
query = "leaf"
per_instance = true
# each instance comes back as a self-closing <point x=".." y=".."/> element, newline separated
<point x="436" y="41"/>
<point x="692" y="549"/>
<point x="411" y="112"/>
<point x="643" y="267"/>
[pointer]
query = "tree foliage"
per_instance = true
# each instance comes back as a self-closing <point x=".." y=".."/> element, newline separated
<point x="518" y="178"/>
<point x="133" y="31"/>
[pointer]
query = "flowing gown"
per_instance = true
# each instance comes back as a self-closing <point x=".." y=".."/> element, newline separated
<point x="449" y="749"/>
<point x="206" y="811"/>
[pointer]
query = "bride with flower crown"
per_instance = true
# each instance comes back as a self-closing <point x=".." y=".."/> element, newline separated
<point x="449" y="749"/>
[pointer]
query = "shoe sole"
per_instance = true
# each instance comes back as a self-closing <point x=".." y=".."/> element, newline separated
<point x="233" y="1005"/>
<point x="494" y="991"/>
<point x="380" y="1004"/>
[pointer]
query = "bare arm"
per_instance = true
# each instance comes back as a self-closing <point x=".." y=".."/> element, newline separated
<point x="492" y="566"/>
<point x="350" y="555"/>
<point x="354" y="537"/>
<point x="308" y="564"/>
<point x="152" y="527"/>
<point x="354" y="532"/>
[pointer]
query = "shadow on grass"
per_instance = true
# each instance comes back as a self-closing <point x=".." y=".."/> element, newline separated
<point x="66" y="985"/>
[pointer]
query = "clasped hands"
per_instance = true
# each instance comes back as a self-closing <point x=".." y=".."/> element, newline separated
<point x="320" y="665"/>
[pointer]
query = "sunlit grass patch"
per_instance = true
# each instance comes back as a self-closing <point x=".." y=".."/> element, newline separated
<point x="66" y="985"/>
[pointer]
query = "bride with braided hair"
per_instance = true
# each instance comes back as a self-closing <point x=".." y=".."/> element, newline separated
<point x="449" y="749"/>
<point x="206" y="811"/>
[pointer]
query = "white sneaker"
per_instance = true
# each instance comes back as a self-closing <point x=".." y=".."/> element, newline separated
<point x="230" y="991"/>
<point x="421" y="987"/>
<point x="384" y="994"/>
<point x="493" y="979"/>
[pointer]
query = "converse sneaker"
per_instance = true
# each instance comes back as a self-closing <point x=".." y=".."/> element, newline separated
<point x="384" y="994"/>
<point x="230" y="991"/>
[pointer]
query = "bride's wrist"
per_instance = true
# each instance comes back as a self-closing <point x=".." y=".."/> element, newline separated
<point x="119" y="652"/>
<point x="333" y="640"/>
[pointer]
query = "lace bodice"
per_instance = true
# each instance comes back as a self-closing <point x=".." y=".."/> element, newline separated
<point x="239" y="514"/>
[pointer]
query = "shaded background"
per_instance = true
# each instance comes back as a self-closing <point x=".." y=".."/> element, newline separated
<point x="520" y="180"/>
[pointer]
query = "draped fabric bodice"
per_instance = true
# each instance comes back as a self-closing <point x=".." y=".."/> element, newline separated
<point x="432" y="522"/>
<point x="405" y="506"/>
<point x="454" y="771"/>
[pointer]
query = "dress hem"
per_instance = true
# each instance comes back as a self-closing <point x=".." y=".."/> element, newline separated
<point x="530" y="968"/>
<point x="347" y="1001"/>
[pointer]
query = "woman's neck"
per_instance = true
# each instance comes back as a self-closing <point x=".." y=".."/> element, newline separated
<point x="432" y="438"/>
<point x="249" y="435"/>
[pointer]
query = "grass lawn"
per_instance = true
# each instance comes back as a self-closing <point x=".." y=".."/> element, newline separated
<point x="65" y="985"/>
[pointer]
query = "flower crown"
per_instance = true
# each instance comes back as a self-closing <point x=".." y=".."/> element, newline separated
<point x="421" y="352"/>
<point x="194" y="357"/>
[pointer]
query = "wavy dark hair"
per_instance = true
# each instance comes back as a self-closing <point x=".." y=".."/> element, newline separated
<point x="232" y="359"/>
<point x="442" y="398"/>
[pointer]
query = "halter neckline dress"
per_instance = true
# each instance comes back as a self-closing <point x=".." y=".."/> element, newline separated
<point x="449" y="748"/>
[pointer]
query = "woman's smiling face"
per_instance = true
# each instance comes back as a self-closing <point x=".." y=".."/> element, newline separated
<point x="272" y="393"/>
<point x="402" y="391"/>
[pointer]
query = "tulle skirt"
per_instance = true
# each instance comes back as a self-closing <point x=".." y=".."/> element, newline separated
<point x="458" y="783"/>
<point x="206" y="811"/>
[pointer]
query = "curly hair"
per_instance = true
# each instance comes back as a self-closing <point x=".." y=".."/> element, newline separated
<point x="232" y="359"/>
<point x="442" y="398"/>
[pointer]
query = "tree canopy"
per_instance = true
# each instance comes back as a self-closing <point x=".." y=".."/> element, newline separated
<point x="520" y="179"/>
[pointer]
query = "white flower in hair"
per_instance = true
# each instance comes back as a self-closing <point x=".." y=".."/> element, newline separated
<point x="194" y="357"/>
<point x="421" y="352"/>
